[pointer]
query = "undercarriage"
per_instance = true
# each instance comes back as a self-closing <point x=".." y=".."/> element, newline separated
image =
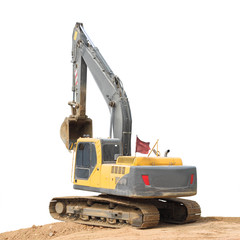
<point x="116" y="212"/>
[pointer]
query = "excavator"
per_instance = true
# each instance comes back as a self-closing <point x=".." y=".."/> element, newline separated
<point x="140" y="191"/>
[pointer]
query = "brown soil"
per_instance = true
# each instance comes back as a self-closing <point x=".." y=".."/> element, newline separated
<point x="205" y="228"/>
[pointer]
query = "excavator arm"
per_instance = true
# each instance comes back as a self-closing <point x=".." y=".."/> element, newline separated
<point x="86" y="55"/>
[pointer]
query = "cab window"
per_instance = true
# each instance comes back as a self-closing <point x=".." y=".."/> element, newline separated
<point x="109" y="151"/>
<point x="86" y="160"/>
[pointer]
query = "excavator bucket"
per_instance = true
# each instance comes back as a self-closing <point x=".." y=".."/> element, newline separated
<point x="72" y="129"/>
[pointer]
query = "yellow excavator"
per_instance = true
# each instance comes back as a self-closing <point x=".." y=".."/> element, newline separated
<point x="140" y="191"/>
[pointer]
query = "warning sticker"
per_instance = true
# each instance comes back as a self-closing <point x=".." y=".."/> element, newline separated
<point x="76" y="77"/>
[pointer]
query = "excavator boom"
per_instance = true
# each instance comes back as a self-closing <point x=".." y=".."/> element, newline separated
<point x="86" y="55"/>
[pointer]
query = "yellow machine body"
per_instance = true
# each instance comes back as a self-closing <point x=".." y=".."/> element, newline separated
<point x="116" y="176"/>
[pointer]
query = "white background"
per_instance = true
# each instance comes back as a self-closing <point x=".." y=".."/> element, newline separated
<point x="179" y="63"/>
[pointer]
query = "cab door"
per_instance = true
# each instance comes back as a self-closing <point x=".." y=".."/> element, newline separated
<point x="86" y="160"/>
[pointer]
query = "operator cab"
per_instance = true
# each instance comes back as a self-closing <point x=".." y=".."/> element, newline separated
<point x="86" y="155"/>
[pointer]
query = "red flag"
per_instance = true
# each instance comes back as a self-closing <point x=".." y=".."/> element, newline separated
<point x="142" y="147"/>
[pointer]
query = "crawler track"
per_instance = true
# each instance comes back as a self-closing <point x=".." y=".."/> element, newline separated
<point x="116" y="212"/>
<point x="177" y="210"/>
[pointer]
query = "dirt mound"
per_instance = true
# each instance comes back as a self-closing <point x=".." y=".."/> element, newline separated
<point x="205" y="228"/>
<point x="49" y="231"/>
